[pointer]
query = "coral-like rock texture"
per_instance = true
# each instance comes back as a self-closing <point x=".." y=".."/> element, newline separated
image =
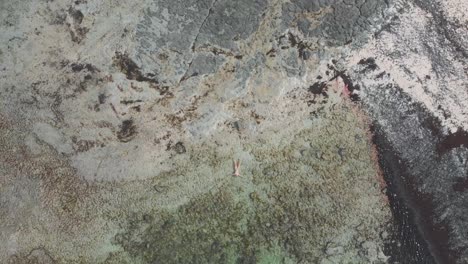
<point x="120" y="122"/>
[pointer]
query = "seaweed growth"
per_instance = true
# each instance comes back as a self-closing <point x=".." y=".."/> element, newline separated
<point x="292" y="208"/>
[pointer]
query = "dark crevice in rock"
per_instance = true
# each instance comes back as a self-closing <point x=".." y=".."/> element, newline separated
<point x="127" y="131"/>
<point x="452" y="140"/>
<point x="77" y="67"/>
<point x="126" y="102"/>
<point x="302" y="47"/>
<point x="77" y="32"/>
<point x="194" y="43"/>
<point x="210" y="11"/>
<point x="218" y="51"/>
<point x="347" y="81"/>
<point x="128" y="67"/>
<point x="317" y="88"/>
<point x="185" y="76"/>
<point x="179" y="148"/>
<point x="102" y="98"/>
<point x="369" y="64"/>
<point x="77" y="15"/>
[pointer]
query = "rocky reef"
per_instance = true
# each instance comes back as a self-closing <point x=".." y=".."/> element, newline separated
<point x="120" y="122"/>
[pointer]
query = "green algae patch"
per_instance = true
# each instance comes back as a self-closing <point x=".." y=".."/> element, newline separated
<point x="305" y="195"/>
<point x="310" y="197"/>
<point x="211" y="229"/>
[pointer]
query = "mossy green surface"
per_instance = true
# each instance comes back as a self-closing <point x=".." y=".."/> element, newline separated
<point x="303" y="193"/>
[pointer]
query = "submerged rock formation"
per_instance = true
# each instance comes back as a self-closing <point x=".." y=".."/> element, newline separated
<point x="119" y="123"/>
